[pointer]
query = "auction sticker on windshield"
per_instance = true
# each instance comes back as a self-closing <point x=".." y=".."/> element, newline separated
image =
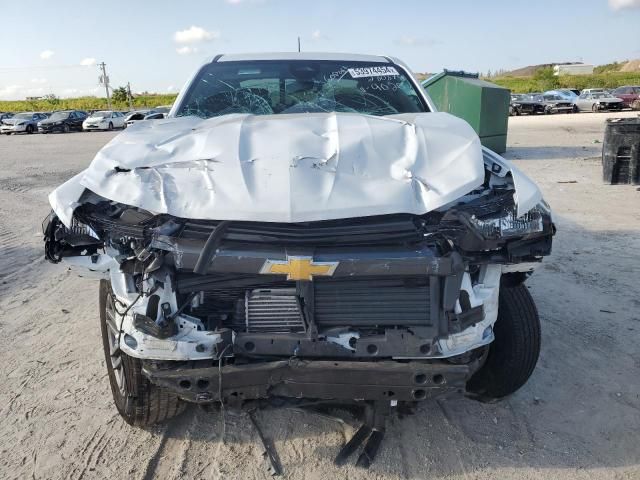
<point x="382" y="71"/>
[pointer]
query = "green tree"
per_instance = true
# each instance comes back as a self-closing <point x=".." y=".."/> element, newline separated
<point x="545" y="79"/>
<point x="51" y="99"/>
<point x="119" y="94"/>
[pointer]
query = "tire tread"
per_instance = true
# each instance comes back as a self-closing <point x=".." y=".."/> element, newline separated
<point x="515" y="351"/>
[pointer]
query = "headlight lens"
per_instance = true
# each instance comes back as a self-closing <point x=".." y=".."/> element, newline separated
<point x="510" y="225"/>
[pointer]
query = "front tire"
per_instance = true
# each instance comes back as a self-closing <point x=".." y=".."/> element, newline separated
<point x="29" y="129"/>
<point x="138" y="401"/>
<point x="110" y="126"/>
<point x="514" y="353"/>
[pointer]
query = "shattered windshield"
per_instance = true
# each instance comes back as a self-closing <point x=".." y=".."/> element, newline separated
<point x="300" y="86"/>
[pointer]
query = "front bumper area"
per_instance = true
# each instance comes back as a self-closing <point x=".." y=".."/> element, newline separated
<point x="50" y="128"/>
<point x="610" y="106"/>
<point x="325" y="380"/>
<point x="13" y="128"/>
<point x="94" y="126"/>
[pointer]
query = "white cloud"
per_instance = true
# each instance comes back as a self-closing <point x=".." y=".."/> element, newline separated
<point x="39" y="80"/>
<point x="317" y="35"/>
<point x="33" y="92"/>
<point x="87" y="62"/>
<point x="412" y="41"/>
<point x="195" y="35"/>
<point x="171" y="88"/>
<point x="238" y="2"/>
<point x="46" y="54"/>
<point x="622" y="4"/>
<point x="10" y="92"/>
<point x="409" y="40"/>
<point x="186" y="50"/>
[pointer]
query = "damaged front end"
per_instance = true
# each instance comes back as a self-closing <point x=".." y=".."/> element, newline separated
<point x="389" y="307"/>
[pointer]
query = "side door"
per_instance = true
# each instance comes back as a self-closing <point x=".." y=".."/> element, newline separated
<point x="82" y="116"/>
<point x="623" y="93"/>
<point x="120" y="119"/>
<point x="581" y="101"/>
<point x="72" y="120"/>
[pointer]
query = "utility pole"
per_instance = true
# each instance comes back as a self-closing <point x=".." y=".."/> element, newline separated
<point x="129" y="96"/>
<point x="298" y="44"/>
<point x="104" y="79"/>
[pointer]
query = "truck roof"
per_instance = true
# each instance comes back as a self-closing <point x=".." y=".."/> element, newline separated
<point x="354" y="57"/>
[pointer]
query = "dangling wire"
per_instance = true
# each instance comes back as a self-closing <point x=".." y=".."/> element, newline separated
<point x="224" y="429"/>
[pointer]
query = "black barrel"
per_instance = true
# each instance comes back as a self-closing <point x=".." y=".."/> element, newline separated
<point x="621" y="151"/>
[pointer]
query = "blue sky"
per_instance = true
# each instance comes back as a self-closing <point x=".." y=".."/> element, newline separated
<point x="157" y="44"/>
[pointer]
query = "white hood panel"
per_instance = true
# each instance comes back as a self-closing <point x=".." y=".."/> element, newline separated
<point x="284" y="168"/>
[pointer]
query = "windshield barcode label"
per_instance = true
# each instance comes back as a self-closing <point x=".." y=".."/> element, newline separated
<point x="372" y="72"/>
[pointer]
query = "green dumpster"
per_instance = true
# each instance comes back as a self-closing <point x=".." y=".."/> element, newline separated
<point x="484" y="105"/>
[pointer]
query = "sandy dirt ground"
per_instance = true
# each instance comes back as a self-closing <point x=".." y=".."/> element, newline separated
<point x="577" y="418"/>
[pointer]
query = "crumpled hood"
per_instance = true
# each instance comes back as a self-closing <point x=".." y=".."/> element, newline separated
<point x="284" y="168"/>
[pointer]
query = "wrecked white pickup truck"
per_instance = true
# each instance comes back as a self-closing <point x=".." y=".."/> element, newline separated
<point x="305" y="226"/>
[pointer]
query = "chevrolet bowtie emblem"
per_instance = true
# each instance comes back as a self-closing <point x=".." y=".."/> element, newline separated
<point x="299" y="268"/>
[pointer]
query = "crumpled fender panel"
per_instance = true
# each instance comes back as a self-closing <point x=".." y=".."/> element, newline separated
<point x="284" y="168"/>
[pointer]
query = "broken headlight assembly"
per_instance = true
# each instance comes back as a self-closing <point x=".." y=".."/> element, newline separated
<point x="509" y="225"/>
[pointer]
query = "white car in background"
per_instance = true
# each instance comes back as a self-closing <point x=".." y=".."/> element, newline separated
<point x="26" y="122"/>
<point x="104" y="120"/>
<point x="134" y="117"/>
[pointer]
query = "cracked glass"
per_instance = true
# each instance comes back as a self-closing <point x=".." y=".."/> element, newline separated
<point x="297" y="86"/>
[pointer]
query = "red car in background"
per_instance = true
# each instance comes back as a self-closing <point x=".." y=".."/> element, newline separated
<point x="630" y="95"/>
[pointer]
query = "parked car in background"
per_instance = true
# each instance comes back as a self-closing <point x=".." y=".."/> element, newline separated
<point x="629" y="94"/>
<point x="156" y="116"/>
<point x="63" y="121"/>
<point x="565" y="93"/>
<point x="134" y="117"/>
<point x="526" y="103"/>
<point x="4" y="115"/>
<point x="554" y="103"/>
<point x="25" y="122"/>
<point x="104" y="120"/>
<point x="594" y="90"/>
<point x="158" y="113"/>
<point x="597" y="101"/>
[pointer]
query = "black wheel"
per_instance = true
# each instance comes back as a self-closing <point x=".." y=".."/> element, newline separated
<point x="514" y="352"/>
<point x="594" y="108"/>
<point x="576" y="109"/>
<point x="110" y="126"/>
<point x="138" y="401"/>
<point x="65" y="128"/>
<point x="29" y="129"/>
